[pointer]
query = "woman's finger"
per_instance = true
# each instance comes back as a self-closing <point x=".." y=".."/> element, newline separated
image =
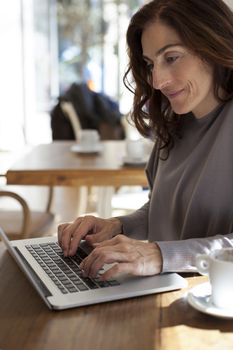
<point x="105" y="255"/>
<point x="86" y="225"/>
<point x="60" y="231"/>
<point x="121" y="268"/>
<point x="77" y="231"/>
<point x="66" y="234"/>
<point x="115" y="241"/>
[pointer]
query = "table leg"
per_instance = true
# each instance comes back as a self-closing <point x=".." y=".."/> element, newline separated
<point x="104" y="202"/>
<point x="70" y="202"/>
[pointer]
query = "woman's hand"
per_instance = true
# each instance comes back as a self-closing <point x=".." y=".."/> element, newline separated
<point x="93" y="229"/>
<point x="131" y="256"/>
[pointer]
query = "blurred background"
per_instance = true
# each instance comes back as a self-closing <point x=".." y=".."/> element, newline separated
<point x="49" y="44"/>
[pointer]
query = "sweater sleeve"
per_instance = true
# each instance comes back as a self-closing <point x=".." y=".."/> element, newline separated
<point x="179" y="256"/>
<point x="135" y="225"/>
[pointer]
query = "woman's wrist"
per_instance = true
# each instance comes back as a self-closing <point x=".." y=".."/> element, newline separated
<point x="117" y="226"/>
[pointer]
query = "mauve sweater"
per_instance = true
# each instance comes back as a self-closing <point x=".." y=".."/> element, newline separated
<point x="190" y="207"/>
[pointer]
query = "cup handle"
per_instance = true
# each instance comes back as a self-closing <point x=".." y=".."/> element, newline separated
<point x="202" y="264"/>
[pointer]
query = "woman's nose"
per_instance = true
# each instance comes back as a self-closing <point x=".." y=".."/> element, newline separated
<point x="160" y="79"/>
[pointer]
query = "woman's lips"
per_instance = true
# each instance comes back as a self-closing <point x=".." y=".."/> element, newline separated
<point x="172" y="95"/>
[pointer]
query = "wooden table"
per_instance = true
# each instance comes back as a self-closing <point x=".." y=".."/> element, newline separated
<point x="156" y="322"/>
<point x="55" y="165"/>
<point x="7" y="159"/>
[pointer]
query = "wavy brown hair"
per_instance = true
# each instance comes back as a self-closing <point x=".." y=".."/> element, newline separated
<point x="206" y="28"/>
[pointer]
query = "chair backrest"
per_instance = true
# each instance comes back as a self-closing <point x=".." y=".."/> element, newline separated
<point x="70" y="113"/>
<point x="24" y="223"/>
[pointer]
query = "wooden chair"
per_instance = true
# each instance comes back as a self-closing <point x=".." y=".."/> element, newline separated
<point x="83" y="192"/>
<point x="24" y="223"/>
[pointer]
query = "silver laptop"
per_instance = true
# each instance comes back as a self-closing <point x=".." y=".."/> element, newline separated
<point x="60" y="283"/>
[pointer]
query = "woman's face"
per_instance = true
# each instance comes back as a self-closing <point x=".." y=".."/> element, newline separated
<point x="185" y="79"/>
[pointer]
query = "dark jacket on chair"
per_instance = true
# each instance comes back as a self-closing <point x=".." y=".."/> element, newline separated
<point x="94" y="110"/>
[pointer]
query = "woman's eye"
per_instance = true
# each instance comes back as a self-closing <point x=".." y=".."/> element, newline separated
<point x="171" y="59"/>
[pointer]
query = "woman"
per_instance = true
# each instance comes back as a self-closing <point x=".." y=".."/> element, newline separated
<point x="181" y="61"/>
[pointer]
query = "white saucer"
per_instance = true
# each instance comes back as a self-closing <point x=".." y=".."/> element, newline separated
<point x="134" y="161"/>
<point x="84" y="150"/>
<point x="199" y="297"/>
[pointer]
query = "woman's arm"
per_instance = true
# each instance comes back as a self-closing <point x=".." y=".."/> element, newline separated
<point x="179" y="256"/>
<point x="135" y="225"/>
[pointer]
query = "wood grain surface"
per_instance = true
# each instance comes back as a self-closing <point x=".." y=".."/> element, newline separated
<point x="157" y="322"/>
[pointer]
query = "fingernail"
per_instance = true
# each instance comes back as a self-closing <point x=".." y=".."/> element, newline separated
<point x="84" y="273"/>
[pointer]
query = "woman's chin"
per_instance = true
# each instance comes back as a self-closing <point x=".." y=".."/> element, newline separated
<point x="180" y="109"/>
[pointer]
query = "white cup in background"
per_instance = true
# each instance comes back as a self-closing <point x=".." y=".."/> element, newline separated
<point x="218" y="265"/>
<point x="135" y="149"/>
<point x="88" y="139"/>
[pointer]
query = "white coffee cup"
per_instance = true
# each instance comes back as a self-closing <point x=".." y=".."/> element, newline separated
<point x="88" y="139"/>
<point x="218" y="265"/>
<point x="135" y="149"/>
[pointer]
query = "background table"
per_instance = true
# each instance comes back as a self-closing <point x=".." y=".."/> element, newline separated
<point x="55" y="165"/>
<point x="157" y="322"/>
<point x="7" y="159"/>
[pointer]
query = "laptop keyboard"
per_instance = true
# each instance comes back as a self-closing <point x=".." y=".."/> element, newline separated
<point x="65" y="271"/>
